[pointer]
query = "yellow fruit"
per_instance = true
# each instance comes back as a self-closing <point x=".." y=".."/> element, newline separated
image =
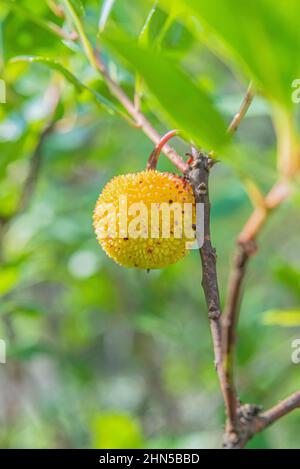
<point x="143" y="241"/>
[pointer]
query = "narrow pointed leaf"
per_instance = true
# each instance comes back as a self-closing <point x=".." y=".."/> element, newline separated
<point x="80" y="87"/>
<point x="185" y="104"/>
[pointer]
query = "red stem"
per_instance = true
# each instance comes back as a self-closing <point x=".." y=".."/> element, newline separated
<point x="153" y="158"/>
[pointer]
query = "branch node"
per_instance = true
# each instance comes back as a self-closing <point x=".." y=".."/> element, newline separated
<point x="248" y="248"/>
<point x="202" y="189"/>
<point x="245" y="426"/>
<point x="214" y="313"/>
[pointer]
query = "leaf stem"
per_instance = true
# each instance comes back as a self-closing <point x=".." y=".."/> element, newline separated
<point x="83" y="37"/>
<point x="234" y="124"/>
<point x="153" y="158"/>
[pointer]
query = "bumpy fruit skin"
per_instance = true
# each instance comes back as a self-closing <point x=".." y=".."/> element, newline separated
<point x="150" y="187"/>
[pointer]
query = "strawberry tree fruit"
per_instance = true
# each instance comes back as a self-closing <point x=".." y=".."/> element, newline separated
<point x="145" y="220"/>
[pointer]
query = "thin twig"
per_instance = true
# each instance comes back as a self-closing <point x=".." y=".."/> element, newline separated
<point x="277" y="195"/>
<point x="278" y="411"/>
<point x="235" y="433"/>
<point x="137" y="100"/>
<point x="242" y="111"/>
<point x="56" y="9"/>
<point x="246" y="247"/>
<point x="229" y="325"/>
<point x="30" y="183"/>
<point x="36" y="158"/>
<point x="198" y="177"/>
<point x="62" y="33"/>
<point x="34" y="169"/>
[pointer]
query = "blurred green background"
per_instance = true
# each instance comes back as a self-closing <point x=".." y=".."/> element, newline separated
<point x="98" y="355"/>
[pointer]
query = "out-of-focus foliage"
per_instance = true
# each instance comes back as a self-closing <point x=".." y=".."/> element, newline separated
<point x="260" y="36"/>
<point x="98" y="355"/>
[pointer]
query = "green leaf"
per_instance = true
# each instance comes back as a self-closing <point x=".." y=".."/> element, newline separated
<point x="186" y="105"/>
<point x="74" y="15"/>
<point x="285" y="318"/>
<point x="144" y="34"/>
<point x="80" y="87"/>
<point x="54" y="65"/>
<point x="261" y="36"/>
<point x="104" y="13"/>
